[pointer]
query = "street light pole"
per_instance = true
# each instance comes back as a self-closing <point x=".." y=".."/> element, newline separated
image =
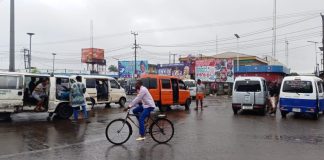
<point x="29" y="55"/>
<point x="53" y="61"/>
<point x="316" y="65"/>
<point x="237" y="50"/>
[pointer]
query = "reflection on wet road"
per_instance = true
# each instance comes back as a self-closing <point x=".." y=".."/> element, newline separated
<point x="214" y="133"/>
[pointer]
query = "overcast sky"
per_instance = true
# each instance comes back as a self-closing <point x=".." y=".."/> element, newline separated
<point x="178" y="26"/>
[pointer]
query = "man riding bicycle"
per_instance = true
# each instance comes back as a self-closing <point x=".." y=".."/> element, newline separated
<point x="144" y="110"/>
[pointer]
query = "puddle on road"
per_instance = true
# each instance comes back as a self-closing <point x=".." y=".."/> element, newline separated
<point x="296" y="139"/>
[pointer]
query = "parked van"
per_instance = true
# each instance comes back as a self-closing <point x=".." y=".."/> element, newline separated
<point x="167" y="91"/>
<point x="16" y="94"/>
<point x="301" y="94"/>
<point x="103" y="90"/>
<point x="191" y="84"/>
<point x="250" y="93"/>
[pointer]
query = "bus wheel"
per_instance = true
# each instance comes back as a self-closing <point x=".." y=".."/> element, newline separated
<point x="283" y="114"/>
<point x="64" y="111"/>
<point x="187" y="105"/>
<point x="316" y="115"/>
<point x="5" y="116"/>
<point x="122" y="102"/>
<point x="164" y="108"/>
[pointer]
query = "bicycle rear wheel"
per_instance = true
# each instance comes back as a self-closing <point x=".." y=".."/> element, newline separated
<point x="118" y="131"/>
<point x="162" y="130"/>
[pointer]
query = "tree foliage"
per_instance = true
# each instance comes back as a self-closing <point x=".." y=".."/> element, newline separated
<point x="112" y="68"/>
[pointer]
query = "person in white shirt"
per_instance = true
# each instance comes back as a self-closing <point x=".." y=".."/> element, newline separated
<point x="143" y="110"/>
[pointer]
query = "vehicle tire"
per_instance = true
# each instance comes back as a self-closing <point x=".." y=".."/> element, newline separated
<point x="263" y="111"/>
<point x="187" y="105"/>
<point x="122" y="102"/>
<point x="120" y="128"/>
<point x="283" y="114"/>
<point x="316" y="115"/>
<point x="164" y="108"/>
<point x="107" y="105"/>
<point x="162" y="130"/>
<point x="64" y="111"/>
<point x="5" y="116"/>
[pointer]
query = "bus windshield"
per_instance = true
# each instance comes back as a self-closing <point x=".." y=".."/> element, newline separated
<point x="247" y="86"/>
<point x="297" y="86"/>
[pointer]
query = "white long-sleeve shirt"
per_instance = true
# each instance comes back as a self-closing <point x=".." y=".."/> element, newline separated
<point x="145" y="97"/>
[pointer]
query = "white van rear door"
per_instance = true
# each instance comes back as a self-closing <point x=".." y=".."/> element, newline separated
<point x="11" y="91"/>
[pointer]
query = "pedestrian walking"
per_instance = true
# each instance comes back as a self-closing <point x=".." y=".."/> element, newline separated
<point x="200" y="92"/>
<point x="77" y="98"/>
<point x="274" y="90"/>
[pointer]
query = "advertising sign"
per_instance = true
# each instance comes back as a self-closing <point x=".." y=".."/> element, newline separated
<point x="215" y="70"/>
<point x="126" y="69"/>
<point x="93" y="55"/>
<point x="180" y="70"/>
<point x="225" y="70"/>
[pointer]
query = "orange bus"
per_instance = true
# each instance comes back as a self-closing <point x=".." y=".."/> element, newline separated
<point x="167" y="91"/>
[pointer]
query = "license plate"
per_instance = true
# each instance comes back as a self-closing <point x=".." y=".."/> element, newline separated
<point x="247" y="98"/>
<point x="247" y="107"/>
<point x="296" y="109"/>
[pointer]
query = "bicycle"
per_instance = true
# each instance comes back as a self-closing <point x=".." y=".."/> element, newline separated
<point x="119" y="131"/>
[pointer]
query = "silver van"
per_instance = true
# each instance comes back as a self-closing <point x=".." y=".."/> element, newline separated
<point x="250" y="93"/>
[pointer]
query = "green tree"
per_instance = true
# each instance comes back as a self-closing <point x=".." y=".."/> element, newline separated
<point x="34" y="70"/>
<point x="112" y="68"/>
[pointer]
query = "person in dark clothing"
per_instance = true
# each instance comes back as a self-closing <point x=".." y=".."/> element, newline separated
<point x="32" y="85"/>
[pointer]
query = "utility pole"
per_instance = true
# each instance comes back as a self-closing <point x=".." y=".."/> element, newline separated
<point x="173" y="57"/>
<point x="169" y="57"/>
<point x="286" y="52"/>
<point x="323" y="39"/>
<point x="216" y="44"/>
<point x="12" y="37"/>
<point x="26" y="58"/>
<point x="54" y="54"/>
<point x="29" y="56"/>
<point x="316" y="66"/>
<point x="135" y="49"/>
<point x="274" y="43"/>
<point x="237" y="54"/>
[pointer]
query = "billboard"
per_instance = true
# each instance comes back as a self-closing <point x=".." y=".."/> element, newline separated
<point x="180" y="70"/>
<point x="215" y="70"/>
<point x="126" y="69"/>
<point x="93" y="56"/>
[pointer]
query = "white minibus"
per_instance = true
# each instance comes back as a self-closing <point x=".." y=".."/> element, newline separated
<point x="301" y="94"/>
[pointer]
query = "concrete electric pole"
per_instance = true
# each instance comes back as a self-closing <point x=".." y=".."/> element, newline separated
<point x="135" y="49"/>
<point x="12" y="37"/>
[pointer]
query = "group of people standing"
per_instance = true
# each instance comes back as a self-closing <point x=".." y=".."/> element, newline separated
<point x="39" y="91"/>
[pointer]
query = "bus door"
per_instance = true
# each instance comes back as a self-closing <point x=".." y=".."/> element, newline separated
<point x="320" y="95"/>
<point x="166" y="92"/>
<point x="175" y="90"/>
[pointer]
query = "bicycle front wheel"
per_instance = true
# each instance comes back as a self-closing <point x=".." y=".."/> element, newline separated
<point x="118" y="131"/>
<point x="162" y="130"/>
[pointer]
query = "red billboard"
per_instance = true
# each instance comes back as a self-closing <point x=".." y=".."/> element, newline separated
<point x="93" y="56"/>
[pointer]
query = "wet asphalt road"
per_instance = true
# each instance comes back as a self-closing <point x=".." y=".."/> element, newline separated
<point x="212" y="134"/>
